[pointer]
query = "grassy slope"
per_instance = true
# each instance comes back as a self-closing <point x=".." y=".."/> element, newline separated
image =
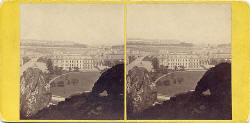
<point x="86" y="82"/>
<point x="190" y="79"/>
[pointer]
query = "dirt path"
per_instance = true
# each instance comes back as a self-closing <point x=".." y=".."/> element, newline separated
<point x="58" y="77"/>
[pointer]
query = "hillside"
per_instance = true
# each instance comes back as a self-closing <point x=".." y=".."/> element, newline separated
<point x="73" y="83"/>
<point x="196" y="105"/>
<point x="178" y="82"/>
<point x="185" y="107"/>
<point x="94" y="105"/>
<point x="84" y="107"/>
<point x="45" y="43"/>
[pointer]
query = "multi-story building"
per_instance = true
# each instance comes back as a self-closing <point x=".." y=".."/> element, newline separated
<point x="191" y="61"/>
<point x="71" y="62"/>
<point x="113" y="59"/>
<point x="180" y="61"/>
<point x="224" y="56"/>
<point x="85" y="63"/>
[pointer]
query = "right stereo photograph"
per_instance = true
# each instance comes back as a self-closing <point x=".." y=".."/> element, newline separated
<point x="178" y="61"/>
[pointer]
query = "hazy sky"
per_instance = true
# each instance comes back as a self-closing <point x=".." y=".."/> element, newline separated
<point x="86" y="23"/>
<point x="195" y="23"/>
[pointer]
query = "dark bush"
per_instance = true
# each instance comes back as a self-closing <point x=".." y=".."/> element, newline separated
<point x="180" y="79"/>
<point x="167" y="82"/>
<point x="111" y="80"/>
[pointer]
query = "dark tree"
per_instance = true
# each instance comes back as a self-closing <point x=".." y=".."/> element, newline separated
<point x="58" y="70"/>
<point x="115" y="62"/>
<point x="131" y="59"/>
<point x="218" y="81"/>
<point x="42" y="59"/>
<point x="74" y="81"/>
<point x="111" y="80"/>
<point x="175" y="68"/>
<point x="175" y="81"/>
<point x="107" y="63"/>
<point x="167" y="82"/>
<point x="182" y="68"/>
<point x="155" y="64"/>
<point x="26" y="59"/>
<point x="163" y="69"/>
<point x="76" y="69"/>
<point x="213" y="61"/>
<point x="50" y="66"/>
<point x="180" y="80"/>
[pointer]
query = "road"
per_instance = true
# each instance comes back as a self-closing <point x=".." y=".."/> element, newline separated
<point x="162" y="77"/>
<point x="136" y="62"/>
<point x="58" y="77"/>
<point x="165" y="75"/>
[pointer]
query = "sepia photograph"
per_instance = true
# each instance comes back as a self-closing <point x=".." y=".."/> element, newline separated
<point x="71" y="61"/>
<point x="178" y="61"/>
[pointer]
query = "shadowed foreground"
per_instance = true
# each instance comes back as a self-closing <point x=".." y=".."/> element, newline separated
<point x="196" y="105"/>
<point x="95" y="105"/>
<point x="186" y="107"/>
<point x="84" y="106"/>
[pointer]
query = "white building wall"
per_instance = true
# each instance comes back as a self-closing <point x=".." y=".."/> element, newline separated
<point x="177" y="60"/>
<point x="68" y="62"/>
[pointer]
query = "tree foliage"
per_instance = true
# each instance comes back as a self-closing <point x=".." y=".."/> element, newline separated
<point x="49" y="65"/>
<point x="155" y="63"/>
<point x="131" y="59"/>
<point x="58" y="70"/>
<point x="26" y="59"/>
<point x="42" y="59"/>
<point x="76" y="69"/>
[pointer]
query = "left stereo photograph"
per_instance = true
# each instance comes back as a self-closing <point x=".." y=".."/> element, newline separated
<point x="72" y="61"/>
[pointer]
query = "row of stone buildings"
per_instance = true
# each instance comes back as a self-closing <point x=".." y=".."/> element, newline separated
<point x="71" y="62"/>
<point x="86" y="59"/>
<point x="191" y="61"/>
<point x="179" y="60"/>
<point x="172" y="60"/>
<point x="85" y="63"/>
<point x="183" y="60"/>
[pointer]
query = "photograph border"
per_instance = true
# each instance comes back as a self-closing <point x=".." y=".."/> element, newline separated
<point x="10" y="59"/>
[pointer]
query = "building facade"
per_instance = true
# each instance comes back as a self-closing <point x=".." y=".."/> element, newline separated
<point x="72" y="62"/>
<point x="180" y="61"/>
<point x="190" y="61"/>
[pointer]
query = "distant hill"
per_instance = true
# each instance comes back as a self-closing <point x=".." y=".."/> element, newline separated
<point x="46" y="43"/>
<point x="158" y="41"/>
<point x="224" y="45"/>
<point x="117" y="46"/>
<point x="147" y="42"/>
